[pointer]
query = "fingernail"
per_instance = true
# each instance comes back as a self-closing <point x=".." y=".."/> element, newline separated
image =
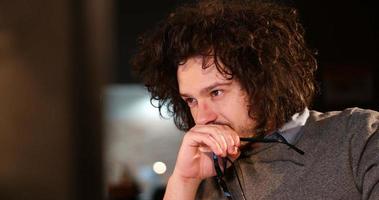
<point x="235" y="150"/>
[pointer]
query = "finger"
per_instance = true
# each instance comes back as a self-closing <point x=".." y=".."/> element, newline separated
<point x="205" y="149"/>
<point x="230" y="136"/>
<point x="220" y="146"/>
<point x="231" y="142"/>
<point x="225" y="134"/>
<point x="237" y="140"/>
<point x="217" y="136"/>
<point x="224" y="145"/>
<point x="233" y="139"/>
<point x="235" y="155"/>
<point x="204" y="142"/>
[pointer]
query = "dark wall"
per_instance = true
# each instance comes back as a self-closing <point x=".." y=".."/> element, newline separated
<point x="54" y="58"/>
<point x="132" y="19"/>
<point x="345" y="34"/>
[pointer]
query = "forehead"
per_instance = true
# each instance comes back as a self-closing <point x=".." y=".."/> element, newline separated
<point x="193" y="71"/>
<point x="192" y="76"/>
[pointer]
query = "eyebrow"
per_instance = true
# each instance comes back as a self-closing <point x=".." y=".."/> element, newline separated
<point x="208" y="88"/>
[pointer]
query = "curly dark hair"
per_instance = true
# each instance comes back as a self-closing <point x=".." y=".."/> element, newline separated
<point x="261" y="45"/>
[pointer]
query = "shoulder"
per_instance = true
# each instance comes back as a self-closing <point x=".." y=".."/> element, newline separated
<point x="363" y="119"/>
<point x="353" y="120"/>
<point x="347" y="140"/>
<point x="348" y="112"/>
<point x="353" y="129"/>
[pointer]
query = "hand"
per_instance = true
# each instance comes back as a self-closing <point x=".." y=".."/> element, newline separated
<point x="195" y="155"/>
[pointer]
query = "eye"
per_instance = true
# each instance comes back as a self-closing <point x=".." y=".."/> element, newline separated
<point x="215" y="93"/>
<point x="190" y="101"/>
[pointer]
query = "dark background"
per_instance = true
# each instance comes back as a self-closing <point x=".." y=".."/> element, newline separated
<point x="57" y="57"/>
<point x="345" y="34"/>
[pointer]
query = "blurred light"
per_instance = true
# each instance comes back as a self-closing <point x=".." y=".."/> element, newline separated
<point x="159" y="167"/>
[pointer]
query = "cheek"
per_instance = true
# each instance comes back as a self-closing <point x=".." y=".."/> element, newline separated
<point x="234" y="111"/>
<point x="241" y="112"/>
<point x="192" y="112"/>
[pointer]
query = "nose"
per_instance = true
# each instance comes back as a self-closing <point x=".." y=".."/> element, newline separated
<point x="205" y="114"/>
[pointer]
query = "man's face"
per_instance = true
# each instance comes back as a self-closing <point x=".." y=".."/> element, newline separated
<point x="212" y="98"/>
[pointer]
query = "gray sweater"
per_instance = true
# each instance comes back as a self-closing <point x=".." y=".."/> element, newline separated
<point x="341" y="161"/>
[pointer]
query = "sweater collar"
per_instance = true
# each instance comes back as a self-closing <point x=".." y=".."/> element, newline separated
<point x="290" y="130"/>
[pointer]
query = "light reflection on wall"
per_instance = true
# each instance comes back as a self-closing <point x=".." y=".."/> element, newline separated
<point x="136" y="137"/>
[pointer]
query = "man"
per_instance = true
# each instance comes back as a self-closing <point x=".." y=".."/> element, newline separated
<point x="238" y="78"/>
